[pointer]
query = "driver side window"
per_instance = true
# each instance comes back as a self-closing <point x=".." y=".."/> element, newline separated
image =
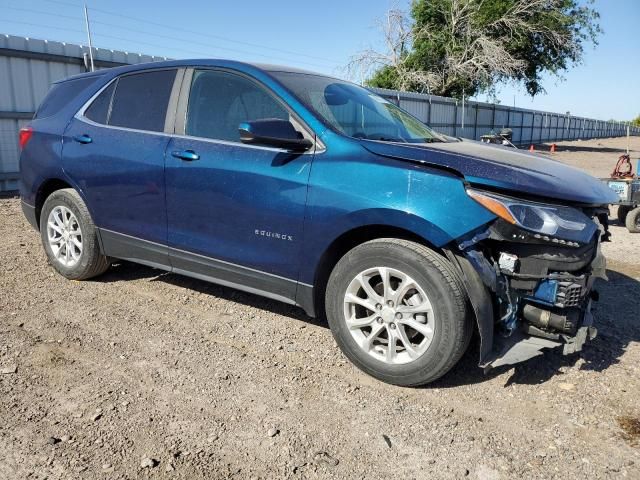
<point x="220" y="101"/>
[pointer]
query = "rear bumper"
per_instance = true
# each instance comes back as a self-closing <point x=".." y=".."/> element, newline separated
<point x="30" y="214"/>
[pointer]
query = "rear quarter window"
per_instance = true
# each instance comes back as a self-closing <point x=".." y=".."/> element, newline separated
<point x="99" y="109"/>
<point x="60" y="94"/>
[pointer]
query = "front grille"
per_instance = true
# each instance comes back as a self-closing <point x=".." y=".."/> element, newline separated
<point x="568" y="293"/>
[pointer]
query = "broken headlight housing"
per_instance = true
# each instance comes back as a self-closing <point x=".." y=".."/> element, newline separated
<point x="554" y="223"/>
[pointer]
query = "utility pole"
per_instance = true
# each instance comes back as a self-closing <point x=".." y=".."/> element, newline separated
<point x="462" y="110"/>
<point x="86" y="22"/>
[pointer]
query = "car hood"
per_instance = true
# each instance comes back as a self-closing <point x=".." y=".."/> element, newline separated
<point x="504" y="168"/>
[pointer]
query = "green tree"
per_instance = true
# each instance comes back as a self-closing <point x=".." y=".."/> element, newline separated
<point x="447" y="46"/>
<point x="636" y="121"/>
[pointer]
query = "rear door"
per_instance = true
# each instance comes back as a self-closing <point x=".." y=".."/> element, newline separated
<point x="235" y="211"/>
<point x="114" y="152"/>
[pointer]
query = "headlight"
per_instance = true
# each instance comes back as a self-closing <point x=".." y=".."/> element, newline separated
<point x="548" y="222"/>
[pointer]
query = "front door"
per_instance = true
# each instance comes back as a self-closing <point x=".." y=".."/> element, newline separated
<point x="235" y="212"/>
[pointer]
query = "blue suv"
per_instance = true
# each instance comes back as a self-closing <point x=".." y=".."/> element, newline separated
<point x="316" y="192"/>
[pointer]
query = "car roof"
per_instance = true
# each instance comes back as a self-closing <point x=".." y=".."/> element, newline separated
<point x="207" y="62"/>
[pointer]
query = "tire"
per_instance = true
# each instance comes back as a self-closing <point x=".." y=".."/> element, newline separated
<point x="623" y="211"/>
<point x="632" y="221"/>
<point x="430" y="355"/>
<point x="70" y="215"/>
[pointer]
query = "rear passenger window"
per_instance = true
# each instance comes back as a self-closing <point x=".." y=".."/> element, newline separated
<point x="220" y="101"/>
<point x="61" y="94"/>
<point x="99" y="109"/>
<point x="140" y="100"/>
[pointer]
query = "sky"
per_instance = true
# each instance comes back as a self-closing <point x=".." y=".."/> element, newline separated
<point x="321" y="37"/>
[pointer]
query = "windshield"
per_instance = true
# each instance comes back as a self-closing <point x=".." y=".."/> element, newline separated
<point x="355" y="111"/>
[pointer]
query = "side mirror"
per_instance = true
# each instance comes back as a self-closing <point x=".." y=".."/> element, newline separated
<point x="272" y="132"/>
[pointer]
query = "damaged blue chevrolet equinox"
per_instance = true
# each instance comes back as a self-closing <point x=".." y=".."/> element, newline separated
<point x="316" y="192"/>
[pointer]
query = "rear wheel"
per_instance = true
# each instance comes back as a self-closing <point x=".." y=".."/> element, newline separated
<point x="633" y="220"/>
<point x="398" y="311"/>
<point x="69" y="236"/>
<point x="623" y="210"/>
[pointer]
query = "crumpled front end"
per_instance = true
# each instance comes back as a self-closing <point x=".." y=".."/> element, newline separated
<point x="540" y="285"/>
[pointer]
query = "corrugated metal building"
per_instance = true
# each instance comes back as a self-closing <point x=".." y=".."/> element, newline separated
<point x="28" y="66"/>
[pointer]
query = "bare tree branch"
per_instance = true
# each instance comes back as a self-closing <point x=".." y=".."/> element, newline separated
<point x="473" y="54"/>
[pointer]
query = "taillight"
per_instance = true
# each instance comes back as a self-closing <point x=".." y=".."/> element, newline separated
<point x="24" y="136"/>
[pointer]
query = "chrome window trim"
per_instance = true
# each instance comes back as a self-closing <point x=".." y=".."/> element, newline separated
<point x="80" y="115"/>
<point x="113" y="127"/>
<point x="240" y="144"/>
<point x="187" y="137"/>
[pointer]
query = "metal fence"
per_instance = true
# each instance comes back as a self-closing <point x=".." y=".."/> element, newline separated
<point x="29" y="66"/>
<point x="474" y="119"/>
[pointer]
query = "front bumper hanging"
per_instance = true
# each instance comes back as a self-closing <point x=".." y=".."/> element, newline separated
<point x="541" y="296"/>
<point x="521" y="346"/>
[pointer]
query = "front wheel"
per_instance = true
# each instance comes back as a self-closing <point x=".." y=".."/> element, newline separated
<point x="69" y="236"/>
<point x="398" y="311"/>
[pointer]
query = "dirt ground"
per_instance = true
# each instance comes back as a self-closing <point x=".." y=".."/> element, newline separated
<point x="143" y="374"/>
<point x="598" y="157"/>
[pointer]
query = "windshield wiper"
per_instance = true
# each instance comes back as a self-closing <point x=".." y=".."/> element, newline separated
<point x="402" y="140"/>
<point x="428" y="140"/>
<point x="391" y="139"/>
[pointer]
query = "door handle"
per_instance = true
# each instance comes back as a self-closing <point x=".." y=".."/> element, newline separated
<point x="186" y="155"/>
<point x="84" y="139"/>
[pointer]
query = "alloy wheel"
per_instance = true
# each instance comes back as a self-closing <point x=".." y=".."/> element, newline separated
<point x="65" y="236"/>
<point x="389" y="315"/>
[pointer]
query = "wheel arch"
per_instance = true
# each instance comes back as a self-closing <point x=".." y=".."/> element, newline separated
<point x="45" y="190"/>
<point x="314" y="301"/>
<point x="53" y="184"/>
<point x="312" y="297"/>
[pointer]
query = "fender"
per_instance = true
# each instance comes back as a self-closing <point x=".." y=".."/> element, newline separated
<point x="480" y="301"/>
<point x="356" y="189"/>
